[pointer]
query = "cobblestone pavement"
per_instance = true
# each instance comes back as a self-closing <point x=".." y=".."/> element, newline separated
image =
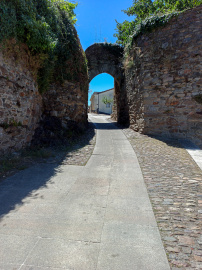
<point x="174" y="183"/>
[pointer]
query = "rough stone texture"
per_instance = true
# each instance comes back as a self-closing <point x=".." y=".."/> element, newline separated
<point x="67" y="102"/>
<point x="103" y="57"/>
<point x="107" y="58"/>
<point x="20" y="102"/>
<point x="64" y="114"/>
<point x="23" y="110"/>
<point x="163" y="74"/>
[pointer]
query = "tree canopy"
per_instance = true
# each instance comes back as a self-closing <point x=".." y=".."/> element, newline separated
<point x="148" y="14"/>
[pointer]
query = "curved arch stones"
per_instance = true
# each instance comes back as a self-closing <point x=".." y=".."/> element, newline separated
<point x="106" y="58"/>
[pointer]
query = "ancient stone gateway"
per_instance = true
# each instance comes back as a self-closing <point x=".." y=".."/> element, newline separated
<point x="106" y="58"/>
<point x="158" y="91"/>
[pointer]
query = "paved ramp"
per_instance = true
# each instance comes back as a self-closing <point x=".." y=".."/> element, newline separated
<point x="96" y="217"/>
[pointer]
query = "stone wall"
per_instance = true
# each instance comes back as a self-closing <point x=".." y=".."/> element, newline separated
<point x="28" y="117"/>
<point x="20" y="102"/>
<point x="107" y="58"/>
<point x="104" y="58"/>
<point x="67" y="102"/>
<point x="163" y="74"/>
<point x="64" y="113"/>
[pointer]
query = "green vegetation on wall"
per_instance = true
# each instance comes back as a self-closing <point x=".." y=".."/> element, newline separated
<point x="198" y="98"/>
<point x="46" y="27"/>
<point x="148" y="15"/>
<point x="107" y="100"/>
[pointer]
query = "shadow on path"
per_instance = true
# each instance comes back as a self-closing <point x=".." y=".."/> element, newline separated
<point x="105" y="126"/>
<point x="175" y="142"/>
<point x="21" y="185"/>
<point x="24" y="184"/>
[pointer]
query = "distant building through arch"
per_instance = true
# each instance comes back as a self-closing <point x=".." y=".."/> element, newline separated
<point x="98" y="106"/>
<point x="107" y="58"/>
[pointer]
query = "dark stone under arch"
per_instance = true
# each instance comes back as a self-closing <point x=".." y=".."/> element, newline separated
<point x="107" y="58"/>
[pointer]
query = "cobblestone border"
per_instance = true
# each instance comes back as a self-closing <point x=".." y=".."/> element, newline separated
<point x="174" y="183"/>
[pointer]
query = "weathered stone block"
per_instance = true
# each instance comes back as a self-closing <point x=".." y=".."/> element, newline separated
<point x="169" y="68"/>
<point x="17" y="103"/>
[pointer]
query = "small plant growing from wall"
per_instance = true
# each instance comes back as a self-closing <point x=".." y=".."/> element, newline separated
<point x="11" y="123"/>
<point x="107" y="101"/>
<point x="198" y="98"/>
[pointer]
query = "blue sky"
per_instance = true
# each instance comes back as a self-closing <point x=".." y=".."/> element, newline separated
<point x="96" y="23"/>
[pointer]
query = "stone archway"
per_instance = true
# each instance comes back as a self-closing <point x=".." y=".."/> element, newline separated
<point x="106" y="58"/>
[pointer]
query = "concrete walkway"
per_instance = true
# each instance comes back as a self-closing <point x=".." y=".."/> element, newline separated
<point x="81" y="218"/>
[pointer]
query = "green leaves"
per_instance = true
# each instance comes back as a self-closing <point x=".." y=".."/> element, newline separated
<point x="8" y="20"/>
<point x="46" y="26"/>
<point x="67" y="7"/>
<point x="140" y="8"/>
<point x="35" y="22"/>
<point x="149" y="14"/>
<point x="125" y="31"/>
<point x="107" y="100"/>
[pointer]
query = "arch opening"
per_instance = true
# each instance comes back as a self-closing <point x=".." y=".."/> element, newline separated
<point x="102" y="94"/>
<point x="106" y="58"/>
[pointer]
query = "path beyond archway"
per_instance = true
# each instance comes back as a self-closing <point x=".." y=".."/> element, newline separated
<point x="107" y="58"/>
<point x="94" y="217"/>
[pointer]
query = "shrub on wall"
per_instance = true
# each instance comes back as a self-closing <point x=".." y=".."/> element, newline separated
<point x="46" y="26"/>
<point x="148" y="15"/>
